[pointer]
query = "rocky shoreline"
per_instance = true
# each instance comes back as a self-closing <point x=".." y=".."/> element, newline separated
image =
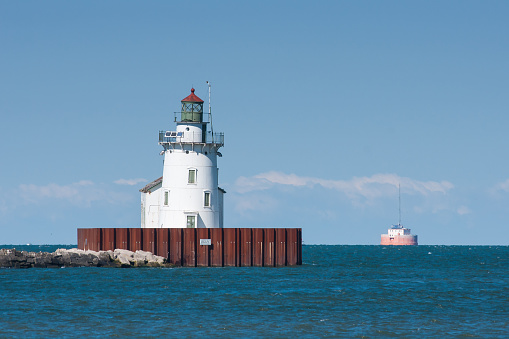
<point x="12" y="258"/>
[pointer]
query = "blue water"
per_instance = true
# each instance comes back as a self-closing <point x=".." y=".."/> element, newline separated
<point x="339" y="291"/>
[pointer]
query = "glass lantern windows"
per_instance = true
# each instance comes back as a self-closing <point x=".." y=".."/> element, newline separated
<point x="192" y="112"/>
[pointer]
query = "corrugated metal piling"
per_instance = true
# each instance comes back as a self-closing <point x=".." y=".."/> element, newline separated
<point x="193" y="247"/>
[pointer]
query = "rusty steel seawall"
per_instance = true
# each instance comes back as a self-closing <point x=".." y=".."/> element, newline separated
<point x="181" y="246"/>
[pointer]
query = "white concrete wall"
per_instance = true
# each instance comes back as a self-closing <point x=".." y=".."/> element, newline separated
<point x="220" y="205"/>
<point x="398" y="231"/>
<point x="150" y="203"/>
<point x="192" y="133"/>
<point x="186" y="198"/>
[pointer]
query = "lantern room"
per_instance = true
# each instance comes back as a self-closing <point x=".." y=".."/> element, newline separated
<point x="192" y="108"/>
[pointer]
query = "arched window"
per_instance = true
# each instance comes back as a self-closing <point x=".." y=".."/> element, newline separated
<point x="206" y="199"/>
<point x="191" y="178"/>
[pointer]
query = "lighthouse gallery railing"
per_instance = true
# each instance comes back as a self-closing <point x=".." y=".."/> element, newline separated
<point x="174" y="137"/>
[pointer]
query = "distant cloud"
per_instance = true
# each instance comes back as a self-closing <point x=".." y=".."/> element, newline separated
<point x="81" y="193"/>
<point x="34" y="192"/>
<point x="3" y="205"/>
<point x="376" y="186"/>
<point x="255" y="203"/>
<point x="462" y="210"/>
<point x="360" y="191"/>
<point x="130" y="182"/>
<point x="502" y="186"/>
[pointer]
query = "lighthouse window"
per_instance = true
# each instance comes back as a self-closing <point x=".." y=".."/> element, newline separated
<point x="206" y="199"/>
<point x="191" y="221"/>
<point x="166" y="196"/>
<point x="191" y="179"/>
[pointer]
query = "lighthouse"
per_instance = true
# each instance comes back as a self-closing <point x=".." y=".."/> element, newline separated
<point x="187" y="195"/>
<point x="182" y="211"/>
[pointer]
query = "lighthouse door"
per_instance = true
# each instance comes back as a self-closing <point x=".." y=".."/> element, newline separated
<point x="191" y="221"/>
<point x="153" y="216"/>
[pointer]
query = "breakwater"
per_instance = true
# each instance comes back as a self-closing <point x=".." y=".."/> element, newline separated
<point x="12" y="258"/>
<point x="193" y="247"/>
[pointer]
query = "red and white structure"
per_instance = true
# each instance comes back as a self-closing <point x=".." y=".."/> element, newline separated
<point x="398" y="235"/>
<point x="187" y="195"/>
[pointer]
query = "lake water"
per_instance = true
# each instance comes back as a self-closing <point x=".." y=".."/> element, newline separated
<point x="339" y="291"/>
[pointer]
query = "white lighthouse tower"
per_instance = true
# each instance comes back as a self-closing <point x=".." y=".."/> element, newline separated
<point x="187" y="195"/>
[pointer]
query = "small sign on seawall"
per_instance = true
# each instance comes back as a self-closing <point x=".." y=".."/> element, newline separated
<point x="206" y="242"/>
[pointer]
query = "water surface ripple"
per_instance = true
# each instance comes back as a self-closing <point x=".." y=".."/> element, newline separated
<point x="339" y="291"/>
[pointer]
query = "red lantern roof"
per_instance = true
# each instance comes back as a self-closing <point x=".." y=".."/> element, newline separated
<point x="192" y="97"/>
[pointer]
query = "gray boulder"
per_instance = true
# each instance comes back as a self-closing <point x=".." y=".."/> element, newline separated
<point x="78" y="258"/>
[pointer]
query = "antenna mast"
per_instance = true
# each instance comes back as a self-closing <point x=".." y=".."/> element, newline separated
<point x="399" y="197"/>
<point x="210" y="115"/>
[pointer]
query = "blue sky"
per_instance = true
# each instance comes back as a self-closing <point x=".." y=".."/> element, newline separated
<point x="326" y="106"/>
